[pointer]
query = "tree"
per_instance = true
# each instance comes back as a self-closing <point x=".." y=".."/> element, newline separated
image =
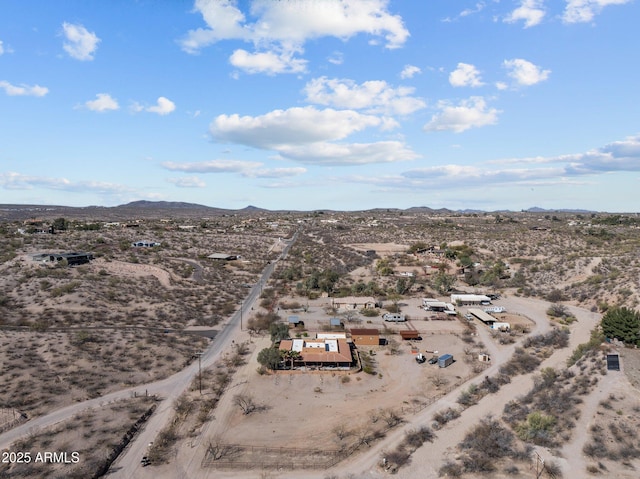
<point x="623" y="324"/>
<point x="279" y="331"/>
<point x="403" y="285"/>
<point x="443" y="282"/>
<point x="292" y="356"/>
<point x="60" y="224"/>
<point x="416" y="247"/>
<point x="269" y="358"/>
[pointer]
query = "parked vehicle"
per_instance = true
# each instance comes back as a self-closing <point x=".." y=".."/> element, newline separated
<point x="398" y="318"/>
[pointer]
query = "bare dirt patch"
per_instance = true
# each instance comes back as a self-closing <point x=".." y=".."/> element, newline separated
<point x="81" y="444"/>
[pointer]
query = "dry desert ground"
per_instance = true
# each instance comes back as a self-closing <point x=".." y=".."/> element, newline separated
<point x="134" y="316"/>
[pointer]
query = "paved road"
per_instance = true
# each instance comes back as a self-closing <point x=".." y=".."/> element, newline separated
<point x="168" y="389"/>
<point x="128" y="464"/>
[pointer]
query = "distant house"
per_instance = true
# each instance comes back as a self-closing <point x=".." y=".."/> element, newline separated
<point x="323" y="353"/>
<point x="355" y="302"/>
<point x="145" y="244"/>
<point x="470" y="299"/>
<point x="431" y="304"/>
<point x="336" y="335"/>
<point x="72" y="259"/>
<point x="365" y="336"/>
<point x="223" y="256"/>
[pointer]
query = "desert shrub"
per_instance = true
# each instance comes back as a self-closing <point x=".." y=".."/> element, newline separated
<point x="450" y="469"/>
<point x="476" y="462"/>
<point x="443" y="417"/>
<point x="290" y="305"/>
<point x="558" y="338"/>
<point x="538" y="428"/>
<point x="594" y="343"/>
<point x="489" y="439"/>
<point x="521" y="363"/>
<point x="554" y="296"/>
<point x="553" y="469"/>
<point x="417" y="437"/>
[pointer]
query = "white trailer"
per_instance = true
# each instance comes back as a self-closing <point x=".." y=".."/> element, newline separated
<point x="501" y="326"/>
<point x="495" y="309"/>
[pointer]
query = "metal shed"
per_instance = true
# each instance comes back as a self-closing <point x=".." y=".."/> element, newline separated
<point x="445" y="360"/>
<point x="613" y="362"/>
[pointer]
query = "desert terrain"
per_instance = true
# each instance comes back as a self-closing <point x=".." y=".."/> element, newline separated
<point x="134" y="316"/>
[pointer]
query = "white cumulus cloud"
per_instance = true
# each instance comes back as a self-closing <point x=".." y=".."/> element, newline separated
<point x="248" y="169"/>
<point x="103" y="102"/>
<point x="530" y="11"/>
<point x="281" y="29"/>
<point x="311" y="136"/>
<point x="336" y="58"/>
<point x="470" y="113"/>
<point x="373" y="96"/>
<point x="187" y="182"/>
<point x="524" y="72"/>
<point x="213" y="166"/>
<point x="80" y="43"/>
<point x="267" y="62"/>
<point x="276" y="172"/>
<point x="164" y="106"/>
<point x="340" y="154"/>
<point x="582" y="11"/>
<point x="292" y="126"/>
<point x="465" y="75"/>
<point x="23" y="90"/>
<point x="409" y="71"/>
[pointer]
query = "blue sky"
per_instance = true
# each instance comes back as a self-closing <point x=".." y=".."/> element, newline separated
<point x="309" y="104"/>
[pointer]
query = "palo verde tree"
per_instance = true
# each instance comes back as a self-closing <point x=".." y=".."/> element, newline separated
<point x="623" y="324"/>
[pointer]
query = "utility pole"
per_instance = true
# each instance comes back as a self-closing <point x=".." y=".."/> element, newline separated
<point x="241" y="304"/>
<point x="199" y="354"/>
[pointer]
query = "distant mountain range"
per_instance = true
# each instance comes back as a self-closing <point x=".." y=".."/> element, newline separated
<point x="157" y="209"/>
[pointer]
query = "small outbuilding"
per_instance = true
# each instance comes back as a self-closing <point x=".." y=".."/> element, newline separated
<point x="445" y="360"/>
<point x="365" y="336"/>
<point x="355" y="302"/>
<point x="223" y="256"/>
<point x="295" y="321"/>
<point x="410" y="334"/>
<point x="613" y="362"/>
<point x="467" y="299"/>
